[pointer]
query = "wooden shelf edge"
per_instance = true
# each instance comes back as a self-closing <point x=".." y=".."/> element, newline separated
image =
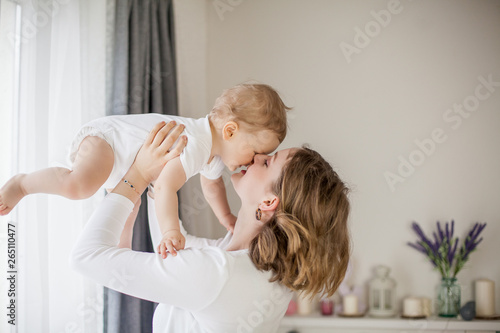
<point x="431" y="323"/>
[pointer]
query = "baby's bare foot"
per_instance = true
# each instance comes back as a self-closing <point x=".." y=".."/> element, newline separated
<point x="11" y="193"/>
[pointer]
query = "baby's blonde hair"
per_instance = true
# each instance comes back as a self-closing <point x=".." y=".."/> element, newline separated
<point x="255" y="106"/>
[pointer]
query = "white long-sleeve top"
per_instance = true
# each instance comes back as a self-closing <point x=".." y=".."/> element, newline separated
<point x="202" y="289"/>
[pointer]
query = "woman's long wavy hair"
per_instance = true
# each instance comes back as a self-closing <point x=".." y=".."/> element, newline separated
<point x="306" y="243"/>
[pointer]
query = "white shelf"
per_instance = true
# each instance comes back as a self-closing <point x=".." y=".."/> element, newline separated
<point x="428" y="324"/>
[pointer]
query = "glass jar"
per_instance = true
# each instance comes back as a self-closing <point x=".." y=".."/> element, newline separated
<point x="292" y="307"/>
<point x="326" y="305"/>
<point x="448" y="298"/>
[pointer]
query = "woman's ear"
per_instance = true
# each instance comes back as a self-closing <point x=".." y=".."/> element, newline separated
<point x="269" y="206"/>
<point x="229" y="130"/>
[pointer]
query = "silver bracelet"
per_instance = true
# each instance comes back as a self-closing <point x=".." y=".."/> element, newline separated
<point x="131" y="186"/>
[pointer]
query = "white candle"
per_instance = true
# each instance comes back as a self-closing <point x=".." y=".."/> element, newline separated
<point x="304" y="304"/>
<point x="485" y="298"/>
<point x="412" y="307"/>
<point x="426" y="306"/>
<point x="350" y="304"/>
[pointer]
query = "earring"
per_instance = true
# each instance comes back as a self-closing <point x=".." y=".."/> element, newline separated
<point x="258" y="214"/>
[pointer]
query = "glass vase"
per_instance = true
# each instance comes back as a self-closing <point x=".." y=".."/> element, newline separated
<point x="448" y="299"/>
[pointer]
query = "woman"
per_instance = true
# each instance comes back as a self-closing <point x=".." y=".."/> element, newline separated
<point x="290" y="235"/>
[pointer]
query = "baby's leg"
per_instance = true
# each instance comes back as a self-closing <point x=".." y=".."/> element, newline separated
<point x="92" y="166"/>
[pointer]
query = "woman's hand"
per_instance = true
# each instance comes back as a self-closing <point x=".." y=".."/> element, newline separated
<point x="157" y="150"/>
<point x="154" y="154"/>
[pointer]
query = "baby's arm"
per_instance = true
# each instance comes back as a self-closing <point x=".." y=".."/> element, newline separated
<point x="171" y="179"/>
<point x="215" y="193"/>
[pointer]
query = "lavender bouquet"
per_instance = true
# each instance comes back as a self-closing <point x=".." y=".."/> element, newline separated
<point x="442" y="251"/>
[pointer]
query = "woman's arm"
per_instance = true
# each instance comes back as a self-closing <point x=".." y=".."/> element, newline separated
<point x="175" y="280"/>
<point x="151" y="158"/>
<point x="191" y="280"/>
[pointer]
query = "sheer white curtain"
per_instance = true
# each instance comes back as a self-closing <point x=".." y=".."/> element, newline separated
<point x="62" y="86"/>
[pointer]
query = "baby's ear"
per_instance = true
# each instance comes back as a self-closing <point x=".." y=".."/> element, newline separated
<point x="229" y="130"/>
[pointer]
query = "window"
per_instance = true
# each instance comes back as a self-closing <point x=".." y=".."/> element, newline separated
<point x="10" y="47"/>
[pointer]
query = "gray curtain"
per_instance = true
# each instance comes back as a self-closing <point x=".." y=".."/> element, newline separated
<point x="143" y="76"/>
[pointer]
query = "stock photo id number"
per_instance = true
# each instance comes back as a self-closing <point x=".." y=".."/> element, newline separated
<point x="11" y="273"/>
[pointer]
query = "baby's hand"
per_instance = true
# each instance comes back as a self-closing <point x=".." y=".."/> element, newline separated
<point x="228" y="222"/>
<point x="172" y="240"/>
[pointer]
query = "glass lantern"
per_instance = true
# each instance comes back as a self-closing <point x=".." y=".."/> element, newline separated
<point x="382" y="294"/>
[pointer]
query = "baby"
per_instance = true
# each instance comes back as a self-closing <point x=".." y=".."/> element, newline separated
<point x="247" y="119"/>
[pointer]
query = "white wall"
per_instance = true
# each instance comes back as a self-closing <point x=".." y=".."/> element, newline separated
<point x="365" y="114"/>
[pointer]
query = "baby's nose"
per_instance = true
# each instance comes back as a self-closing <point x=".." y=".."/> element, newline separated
<point x="259" y="157"/>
